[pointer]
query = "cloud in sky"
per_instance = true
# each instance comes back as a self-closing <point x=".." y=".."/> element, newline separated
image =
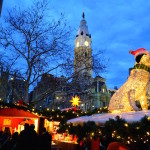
<point x="116" y="27"/>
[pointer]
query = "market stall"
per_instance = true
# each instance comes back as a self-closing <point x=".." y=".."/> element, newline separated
<point x="16" y="118"/>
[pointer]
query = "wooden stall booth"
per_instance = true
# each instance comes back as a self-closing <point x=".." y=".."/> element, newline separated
<point x="16" y="118"/>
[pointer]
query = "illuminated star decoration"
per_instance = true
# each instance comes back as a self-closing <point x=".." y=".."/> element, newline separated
<point x="75" y="101"/>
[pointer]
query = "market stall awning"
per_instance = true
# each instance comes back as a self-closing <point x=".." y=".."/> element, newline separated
<point x="14" y="112"/>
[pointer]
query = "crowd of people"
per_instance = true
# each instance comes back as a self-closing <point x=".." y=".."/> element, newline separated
<point x="28" y="139"/>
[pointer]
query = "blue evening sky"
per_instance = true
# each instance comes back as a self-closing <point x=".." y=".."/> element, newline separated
<point x="116" y="26"/>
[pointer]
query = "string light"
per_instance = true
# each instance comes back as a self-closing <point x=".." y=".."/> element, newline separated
<point x="118" y="137"/>
<point x="148" y="118"/>
<point x="147" y="133"/>
<point x="113" y="135"/>
<point x="92" y="134"/>
<point x="124" y="98"/>
<point x="126" y="125"/>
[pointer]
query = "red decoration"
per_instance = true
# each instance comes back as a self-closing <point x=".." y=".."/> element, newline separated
<point x="81" y="142"/>
<point x="20" y="102"/>
<point x="75" y="109"/>
<point x="117" y="146"/>
<point x="138" y="51"/>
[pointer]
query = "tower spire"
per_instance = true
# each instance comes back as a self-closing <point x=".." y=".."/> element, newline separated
<point x="83" y="15"/>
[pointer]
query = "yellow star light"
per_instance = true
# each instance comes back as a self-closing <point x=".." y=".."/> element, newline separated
<point x="75" y="101"/>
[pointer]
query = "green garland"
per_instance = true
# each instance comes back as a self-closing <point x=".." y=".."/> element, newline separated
<point x="137" y="133"/>
<point x="24" y="107"/>
<point x="52" y="114"/>
<point x="141" y="66"/>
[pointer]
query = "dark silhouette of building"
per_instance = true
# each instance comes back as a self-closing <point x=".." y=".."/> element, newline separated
<point x="1" y="3"/>
<point x="50" y="92"/>
<point x="4" y="77"/>
<point x="16" y="90"/>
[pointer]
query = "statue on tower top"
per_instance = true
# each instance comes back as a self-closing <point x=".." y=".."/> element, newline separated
<point x="83" y="15"/>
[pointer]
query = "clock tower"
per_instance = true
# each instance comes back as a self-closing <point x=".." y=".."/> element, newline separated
<point x="83" y="54"/>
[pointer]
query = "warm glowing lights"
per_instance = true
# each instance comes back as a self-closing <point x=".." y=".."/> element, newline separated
<point x="134" y="89"/>
<point x="36" y="122"/>
<point x="118" y="137"/>
<point x="75" y="101"/>
<point x="126" y="125"/>
<point x="113" y="134"/>
<point x="148" y="118"/>
<point x="86" y="43"/>
<point x="103" y="90"/>
<point x="116" y="111"/>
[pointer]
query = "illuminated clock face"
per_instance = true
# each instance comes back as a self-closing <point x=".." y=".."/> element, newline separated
<point x="86" y="43"/>
<point x="77" y="44"/>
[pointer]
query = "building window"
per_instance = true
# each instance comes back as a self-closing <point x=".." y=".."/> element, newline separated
<point x="103" y="90"/>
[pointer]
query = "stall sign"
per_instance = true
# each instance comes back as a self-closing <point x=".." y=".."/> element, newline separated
<point x="7" y="122"/>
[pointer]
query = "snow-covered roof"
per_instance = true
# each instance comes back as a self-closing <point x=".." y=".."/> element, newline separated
<point x="102" y="118"/>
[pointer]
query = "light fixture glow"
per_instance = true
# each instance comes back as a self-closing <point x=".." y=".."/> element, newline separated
<point x="75" y="101"/>
<point x="133" y="89"/>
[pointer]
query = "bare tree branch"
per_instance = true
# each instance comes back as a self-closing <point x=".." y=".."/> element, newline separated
<point x="37" y="40"/>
